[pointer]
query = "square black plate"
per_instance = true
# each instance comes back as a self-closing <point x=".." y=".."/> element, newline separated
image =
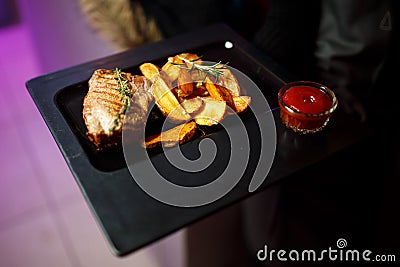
<point x="129" y="218"/>
<point x="69" y="100"/>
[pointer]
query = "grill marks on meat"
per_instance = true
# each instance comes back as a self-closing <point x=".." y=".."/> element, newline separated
<point x="104" y="106"/>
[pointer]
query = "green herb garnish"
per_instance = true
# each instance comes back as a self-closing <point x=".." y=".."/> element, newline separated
<point x="122" y="82"/>
<point x="214" y="70"/>
<point x="126" y="95"/>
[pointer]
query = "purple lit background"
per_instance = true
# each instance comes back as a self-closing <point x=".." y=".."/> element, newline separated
<point x="44" y="220"/>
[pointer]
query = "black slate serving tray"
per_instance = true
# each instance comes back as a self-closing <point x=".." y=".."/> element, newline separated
<point x="129" y="218"/>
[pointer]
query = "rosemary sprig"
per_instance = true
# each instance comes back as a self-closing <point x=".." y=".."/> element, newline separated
<point x="214" y="70"/>
<point x="125" y="98"/>
<point x="122" y="82"/>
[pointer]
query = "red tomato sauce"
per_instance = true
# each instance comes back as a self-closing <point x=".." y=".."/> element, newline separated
<point x="307" y="99"/>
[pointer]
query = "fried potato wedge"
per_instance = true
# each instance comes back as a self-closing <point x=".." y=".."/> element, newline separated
<point x="212" y="113"/>
<point x="149" y="70"/>
<point x="193" y="105"/>
<point x="185" y="83"/>
<point x="197" y="76"/>
<point x="200" y="90"/>
<point x="219" y="92"/>
<point x="229" y="81"/>
<point x="179" y="59"/>
<point x="177" y="135"/>
<point x="171" y="70"/>
<point x="241" y="103"/>
<point x="190" y="56"/>
<point x="167" y="102"/>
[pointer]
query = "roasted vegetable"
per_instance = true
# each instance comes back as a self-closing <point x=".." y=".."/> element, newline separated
<point x="171" y="70"/>
<point x="174" y="64"/>
<point x="185" y="83"/>
<point x="193" y="105"/>
<point x="167" y="102"/>
<point x="219" y="92"/>
<point x="212" y="113"/>
<point x="179" y="134"/>
<point x="229" y="81"/>
<point x="241" y="103"/>
<point x="149" y="70"/>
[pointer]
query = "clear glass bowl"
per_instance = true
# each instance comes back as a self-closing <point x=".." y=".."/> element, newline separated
<point x="296" y="115"/>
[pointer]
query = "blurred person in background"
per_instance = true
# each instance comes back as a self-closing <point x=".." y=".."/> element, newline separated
<point x="348" y="45"/>
<point x="342" y="44"/>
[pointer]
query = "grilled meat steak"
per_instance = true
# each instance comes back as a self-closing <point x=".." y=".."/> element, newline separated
<point x="104" y="107"/>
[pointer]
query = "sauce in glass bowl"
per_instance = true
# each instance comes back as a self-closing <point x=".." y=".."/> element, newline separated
<point x="305" y="106"/>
